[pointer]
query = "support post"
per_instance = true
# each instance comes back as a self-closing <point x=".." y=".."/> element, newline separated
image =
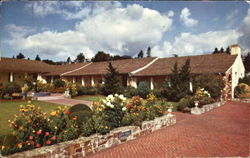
<point x="74" y="79"/>
<point x="92" y="81"/>
<point x="103" y="82"/>
<point x="83" y="81"/>
<point x="11" y="77"/>
<point x="52" y="79"/>
<point x="151" y="83"/>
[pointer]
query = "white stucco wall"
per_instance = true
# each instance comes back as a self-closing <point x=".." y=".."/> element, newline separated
<point x="238" y="71"/>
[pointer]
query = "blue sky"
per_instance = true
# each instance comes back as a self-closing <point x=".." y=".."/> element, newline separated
<point x="56" y="30"/>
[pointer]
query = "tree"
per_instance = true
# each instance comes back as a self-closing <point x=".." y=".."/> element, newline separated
<point x="13" y="57"/>
<point x="80" y="58"/>
<point x="68" y="60"/>
<point x="216" y="51"/>
<point x="51" y="62"/>
<point x="228" y="50"/>
<point x="112" y="83"/>
<point x="222" y="50"/>
<point x="101" y="56"/>
<point x="140" y="54"/>
<point x="38" y="58"/>
<point x="177" y="85"/>
<point x="118" y="57"/>
<point x="149" y="52"/>
<point x="20" y="56"/>
<point x="246" y="62"/>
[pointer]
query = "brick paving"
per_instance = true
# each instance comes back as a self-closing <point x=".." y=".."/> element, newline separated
<point x="222" y="132"/>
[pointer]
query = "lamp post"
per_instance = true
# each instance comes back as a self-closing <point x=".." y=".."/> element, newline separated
<point x="196" y="103"/>
<point x="170" y="110"/>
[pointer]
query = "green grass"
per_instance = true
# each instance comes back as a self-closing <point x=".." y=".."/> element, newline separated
<point x="94" y="98"/>
<point x="9" y="108"/>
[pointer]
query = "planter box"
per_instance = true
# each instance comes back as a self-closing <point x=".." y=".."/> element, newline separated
<point x="85" y="146"/>
<point x="206" y="108"/>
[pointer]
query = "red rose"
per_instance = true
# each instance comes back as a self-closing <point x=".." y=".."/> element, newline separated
<point x="32" y="142"/>
<point x="39" y="132"/>
<point x="38" y="145"/>
<point x="48" y="142"/>
<point x="53" y="138"/>
<point x="67" y="112"/>
<point x="30" y="137"/>
<point x="46" y="133"/>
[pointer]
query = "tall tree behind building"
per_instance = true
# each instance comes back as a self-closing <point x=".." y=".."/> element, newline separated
<point x="246" y="62"/>
<point x="140" y="54"/>
<point x="149" y="52"/>
<point x="38" y="58"/>
<point x="80" y="58"/>
<point x="20" y="56"/>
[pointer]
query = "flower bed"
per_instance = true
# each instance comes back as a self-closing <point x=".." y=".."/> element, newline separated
<point x="206" y="108"/>
<point x="85" y="146"/>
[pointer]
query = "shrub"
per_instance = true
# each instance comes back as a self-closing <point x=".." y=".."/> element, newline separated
<point x="79" y="107"/>
<point x="109" y="112"/>
<point x="80" y="116"/>
<point x="87" y="128"/>
<point x="34" y="129"/>
<point x="11" y="87"/>
<point x="69" y="133"/>
<point x="245" y="80"/>
<point x="59" y="83"/>
<point x="211" y="83"/>
<point x="30" y="82"/>
<point x="242" y="90"/>
<point x="184" y="103"/>
<point x="130" y="92"/>
<point x="143" y="89"/>
<point x="157" y="92"/>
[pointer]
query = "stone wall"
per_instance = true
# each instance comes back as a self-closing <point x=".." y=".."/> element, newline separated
<point x="241" y="100"/>
<point x="85" y="146"/>
<point x="206" y="108"/>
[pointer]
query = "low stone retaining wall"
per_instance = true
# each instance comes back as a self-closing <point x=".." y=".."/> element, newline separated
<point x="206" y="108"/>
<point x="85" y="146"/>
<point x="241" y="100"/>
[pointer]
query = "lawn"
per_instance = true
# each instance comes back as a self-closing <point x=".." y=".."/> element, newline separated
<point x="9" y="108"/>
<point x="94" y="98"/>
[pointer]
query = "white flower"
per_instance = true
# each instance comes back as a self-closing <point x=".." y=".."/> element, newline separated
<point x="104" y="101"/>
<point x="116" y="95"/>
<point x="124" y="108"/>
<point x="108" y="104"/>
<point x="102" y="106"/>
<point x="112" y="106"/>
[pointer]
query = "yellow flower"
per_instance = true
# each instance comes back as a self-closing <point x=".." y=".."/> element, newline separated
<point x="3" y="147"/>
<point x="20" y="145"/>
<point x="53" y="113"/>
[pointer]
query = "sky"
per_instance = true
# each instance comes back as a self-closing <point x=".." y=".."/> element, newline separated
<point x="60" y="29"/>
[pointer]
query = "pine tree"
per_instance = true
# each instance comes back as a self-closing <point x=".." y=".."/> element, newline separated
<point x="38" y="58"/>
<point x="216" y="51"/>
<point x="148" y="52"/>
<point x="80" y="58"/>
<point x="68" y="60"/>
<point x="222" y="50"/>
<point x="140" y="54"/>
<point x="246" y="62"/>
<point x="112" y="83"/>
<point x="228" y="50"/>
<point x="20" y="56"/>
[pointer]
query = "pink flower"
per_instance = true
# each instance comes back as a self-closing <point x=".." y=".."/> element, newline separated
<point x="38" y="145"/>
<point x="46" y="133"/>
<point x="53" y="138"/>
<point x="30" y="137"/>
<point x="39" y="132"/>
<point x="48" y="142"/>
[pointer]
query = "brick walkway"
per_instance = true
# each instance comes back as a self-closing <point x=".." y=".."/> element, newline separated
<point x="222" y="132"/>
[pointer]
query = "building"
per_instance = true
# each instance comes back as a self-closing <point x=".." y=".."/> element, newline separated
<point x="153" y="70"/>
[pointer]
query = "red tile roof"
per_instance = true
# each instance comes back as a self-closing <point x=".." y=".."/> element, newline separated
<point x="122" y="66"/>
<point x="23" y="65"/>
<point x="212" y="63"/>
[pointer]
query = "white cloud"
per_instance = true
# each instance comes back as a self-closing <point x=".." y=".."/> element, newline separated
<point x="186" y="19"/>
<point x="244" y="40"/>
<point x="170" y="13"/>
<point x="76" y="10"/>
<point x="117" y="30"/>
<point x="191" y="44"/>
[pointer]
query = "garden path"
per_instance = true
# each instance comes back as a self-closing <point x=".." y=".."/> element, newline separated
<point x="59" y="99"/>
<point x="222" y="132"/>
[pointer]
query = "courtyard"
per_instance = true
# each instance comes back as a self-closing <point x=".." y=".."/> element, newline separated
<point x="222" y="132"/>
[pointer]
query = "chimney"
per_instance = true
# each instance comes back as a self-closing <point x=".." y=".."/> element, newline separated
<point x="235" y="49"/>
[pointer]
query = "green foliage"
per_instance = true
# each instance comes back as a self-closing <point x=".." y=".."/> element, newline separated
<point x="245" y="80"/>
<point x="143" y="89"/>
<point x="101" y="56"/>
<point x="20" y="56"/>
<point x="87" y="128"/>
<point x="242" y="91"/>
<point x="211" y="83"/>
<point x="80" y="58"/>
<point x="11" y="87"/>
<point x="112" y="83"/>
<point x="31" y="83"/>
<point x="246" y="62"/>
<point x="86" y="90"/>
<point x="69" y="133"/>
<point x="185" y="103"/>
<point x="81" y="116"/>
<point x="59" y="83"/>
<point x="38" y="58"/>
<point x="158" y="92"/>
<point x="79" y="107"/>
<point x="130" y="92"/>
<point x="177" y="85"/>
